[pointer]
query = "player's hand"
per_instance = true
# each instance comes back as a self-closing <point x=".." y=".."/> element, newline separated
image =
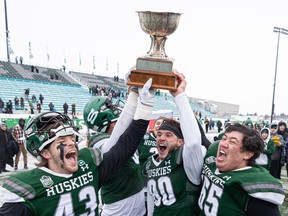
<point x="181" y="86"/>
<point x="127" y="75"/>
<point x="146" y="95"/>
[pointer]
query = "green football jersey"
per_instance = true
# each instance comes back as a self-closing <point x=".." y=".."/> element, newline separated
<point x="147" y="147"/>
<point x="228" y="193"/>
<point x="126" y="182"/>
<point x="50" y="193"/>
<point x="116" y="188"/>
<point x="168" y="184"/>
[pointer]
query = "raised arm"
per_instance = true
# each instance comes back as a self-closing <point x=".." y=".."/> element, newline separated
<point x="129" y="141"/>
<point x="192" y="149"/>
<point x="126" y="116"/>
<point x="123" y="122"/>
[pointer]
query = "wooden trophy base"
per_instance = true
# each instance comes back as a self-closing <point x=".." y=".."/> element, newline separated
<point x="160" y="70"/>
<point x="160" y="80"/>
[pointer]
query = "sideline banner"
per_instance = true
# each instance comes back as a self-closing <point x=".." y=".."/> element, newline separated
<point x="12" y="119"/>
<point x="11" y="122"/>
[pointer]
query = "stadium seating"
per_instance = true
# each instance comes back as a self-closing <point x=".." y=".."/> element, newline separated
<point x="93" y="80"/>
<point x="23" y="71"/>
<point x="53" y="92"/>
<point x="70" y="87"/>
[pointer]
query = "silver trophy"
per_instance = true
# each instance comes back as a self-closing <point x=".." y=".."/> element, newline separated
<point x="156" y="63"/>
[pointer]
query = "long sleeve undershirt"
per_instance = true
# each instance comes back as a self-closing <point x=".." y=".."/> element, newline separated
<point x="192" y="149"/>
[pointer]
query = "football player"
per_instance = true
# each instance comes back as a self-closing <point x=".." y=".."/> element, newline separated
<point x="67" y="180"/>
<point x="232" y="183"/>
<point x="174" y="173"/>
<point x="123" y="194"/>
<point x="147" y="148"/>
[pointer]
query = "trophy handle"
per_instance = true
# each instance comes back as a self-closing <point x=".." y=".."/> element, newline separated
<point x="157" y="49"/>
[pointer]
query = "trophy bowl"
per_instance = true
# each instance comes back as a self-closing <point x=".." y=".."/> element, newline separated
<point x="158" y="25"/>
<point x="156" y="64"/>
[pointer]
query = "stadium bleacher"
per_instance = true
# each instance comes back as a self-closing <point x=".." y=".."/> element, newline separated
<point x="56" y="93"/>
<point x="70" y="87"/>
<point x="93" y="80"/>
<point x="23" y="71"/>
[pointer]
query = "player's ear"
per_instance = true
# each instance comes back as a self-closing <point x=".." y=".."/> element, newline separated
<point x="180" y="142"/>
<point x="45" y="153"/>
<point x="248" y="155"/>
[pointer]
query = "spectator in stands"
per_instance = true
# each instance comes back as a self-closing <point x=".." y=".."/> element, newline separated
<point x="65" y="108"/>
<point x="34" y="98"/>
<point x="41" y="98"/>
<point x="116" y="78"/>
<point x="16" y="102"/>
<point x="212" y="124"/>
<point x="73" y="109"/>
<point x="22" y="103"/>
<point x="282" y="131"/>
<point x="219" y="126"/>
<point x="9" y="107"/>
<point x="64" y="68"/>
<point x="16" y="60"/>
<point x="228" y="121"/>
<point x="264" y="159"/>
<point x="277" y="157"/>
<point x="165" y="96"/>
<point x="31" y="107"/>
<point x="51" y="106"/>
<point x="5" y="137"/>
<point x="27" y="91"/>
<point x="18" y="134"/>
<point x="51" y="76"/>
<point x="1" y="105"/>
<point x="96" y="90"/>
<point x="207" y="123"/>
<point x="248" y="123"/>
<point x="21" y="60"/>
<point x="39" y="107"/>
<point x="32" y="68"/>
<point x="37" y="70"/>
<point x="158" y="92"/>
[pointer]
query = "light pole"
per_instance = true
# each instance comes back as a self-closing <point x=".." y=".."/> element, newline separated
<point x="282" y="31"/>
<point x="7" y="32"/>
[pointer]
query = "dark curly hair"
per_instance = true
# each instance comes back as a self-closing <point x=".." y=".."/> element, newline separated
<point x="251" y="142"/>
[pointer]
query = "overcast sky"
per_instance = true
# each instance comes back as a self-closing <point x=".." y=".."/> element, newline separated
<point x="226" y="48"/>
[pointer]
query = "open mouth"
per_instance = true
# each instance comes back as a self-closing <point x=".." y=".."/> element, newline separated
<point x="162" y="147"/>
<point x="221" y="155"/>
<point x="71" y="156"/>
